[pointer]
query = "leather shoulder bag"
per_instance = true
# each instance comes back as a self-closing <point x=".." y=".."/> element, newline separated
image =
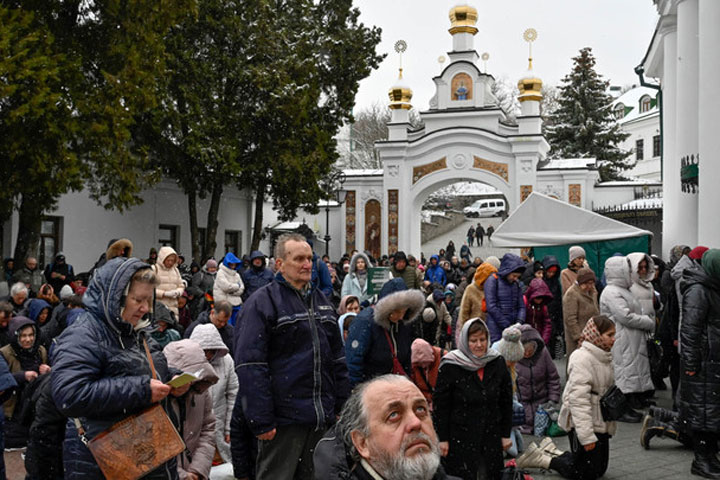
<point x="136" y="445"/>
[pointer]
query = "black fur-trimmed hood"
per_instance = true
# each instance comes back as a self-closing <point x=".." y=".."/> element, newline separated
<point x="395" y="296"/>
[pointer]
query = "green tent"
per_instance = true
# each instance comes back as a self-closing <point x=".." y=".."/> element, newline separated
<point x="550" y="227"/>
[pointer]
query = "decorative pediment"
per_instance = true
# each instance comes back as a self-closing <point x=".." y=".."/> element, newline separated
<point x="499" y="169"/>
<point x="428" y="168"/>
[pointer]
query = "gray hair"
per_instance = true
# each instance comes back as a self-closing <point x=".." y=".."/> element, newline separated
<point x="145" y="275"/>
<point x="283" y="239"/>
<point x="223" y="306"/>
<point x="354" y="416"/>
<point x="18" y="288"/>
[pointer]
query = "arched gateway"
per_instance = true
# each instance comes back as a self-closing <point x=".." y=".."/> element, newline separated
<point x="466" y="137"/>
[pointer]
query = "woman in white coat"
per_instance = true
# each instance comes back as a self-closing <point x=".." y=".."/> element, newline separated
<point x="228" y="284"/>
<point x="224" y="392"/>
<point x="171" y="285"/>
<point x="634" y="325"/>
<point x="356" y="282"/>
<point x="590" y="375"/>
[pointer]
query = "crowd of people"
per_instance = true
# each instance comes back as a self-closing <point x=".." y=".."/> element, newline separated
<point x="300" y="367"/>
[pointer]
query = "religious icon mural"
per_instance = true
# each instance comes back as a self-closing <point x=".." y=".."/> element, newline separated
<point x="373" y="214"/>
<point x="461" y="87"/>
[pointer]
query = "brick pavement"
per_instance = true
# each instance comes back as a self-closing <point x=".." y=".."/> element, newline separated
<point x="666" y="458"/>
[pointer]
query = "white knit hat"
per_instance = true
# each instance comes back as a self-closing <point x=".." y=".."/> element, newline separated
<point x="575" y="252"/>
<point x="66" y="292"/>
<point x="510" y="346"/>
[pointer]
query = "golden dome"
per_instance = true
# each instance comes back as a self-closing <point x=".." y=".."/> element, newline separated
<point x="400" y="95"/>
<point x="463" y="19"/>
<point x="530" y="86"/>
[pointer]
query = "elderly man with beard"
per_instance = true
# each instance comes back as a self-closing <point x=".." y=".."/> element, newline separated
<point x="385" y="432"/>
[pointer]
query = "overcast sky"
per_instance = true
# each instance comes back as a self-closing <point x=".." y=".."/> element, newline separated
<point x="619" y="32"/>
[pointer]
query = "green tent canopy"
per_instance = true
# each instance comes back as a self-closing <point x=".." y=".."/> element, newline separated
<point x="550" y="227"/>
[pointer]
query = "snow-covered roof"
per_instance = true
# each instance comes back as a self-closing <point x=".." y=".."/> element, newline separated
<point x="362" y="172"/>
<point x="568" y="163"/>
<point x="641" y="203"/>
<point x="286" y="226"/>
<point x="628" y="183"/>
<point x="631" y="99"/>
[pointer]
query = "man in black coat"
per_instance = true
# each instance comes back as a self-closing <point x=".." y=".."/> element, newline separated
<point x="385" y="431"/>
<point x="218" y="316"/>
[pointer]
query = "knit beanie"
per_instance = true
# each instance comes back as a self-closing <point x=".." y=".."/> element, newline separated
<point x="494" y="261"/>
<point x="429" y="315"/>
<point x="210" y="264"/>
<point x="510" y="346"/>
<point x="585" y="275"/>
<point x="697" y="252"/>
<point x="421" y="353"/>
<point x="66" y="292"/>
<point x="575" y="252"/>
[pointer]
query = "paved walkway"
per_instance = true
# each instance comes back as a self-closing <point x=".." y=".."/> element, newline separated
<point x="666" y="459"/>
<point x="457" y="235"/>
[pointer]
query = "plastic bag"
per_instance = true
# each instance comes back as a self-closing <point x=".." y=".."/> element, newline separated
<point x="542" y="422"/>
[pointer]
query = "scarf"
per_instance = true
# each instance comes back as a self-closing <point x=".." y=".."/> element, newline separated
<point x="362" y="278"/>
<point x="463" y="357"/>
<point x="676" y="253"/>
<point x="711" y="263"/>
<point x="593" y="335"/>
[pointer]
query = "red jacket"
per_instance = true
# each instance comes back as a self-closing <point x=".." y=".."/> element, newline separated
<point x="426" y="378"/>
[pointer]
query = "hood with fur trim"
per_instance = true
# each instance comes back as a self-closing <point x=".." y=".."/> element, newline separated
<point x="119" y="248"/>
<point x="395" y="296"/>
<point x="355" y="258"/>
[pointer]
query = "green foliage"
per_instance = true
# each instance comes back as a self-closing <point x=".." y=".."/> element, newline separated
<point x="583" y="125"/>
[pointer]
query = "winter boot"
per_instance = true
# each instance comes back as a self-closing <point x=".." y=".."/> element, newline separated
<point x="533" y="457"/>
<point x="663" y="414"/>
<point x="549" y="447"/>
<point x="707" y="466"/>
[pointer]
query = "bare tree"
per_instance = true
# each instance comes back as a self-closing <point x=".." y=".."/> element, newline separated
<point x="356" y="141"/>
<point x="507" y="94"/>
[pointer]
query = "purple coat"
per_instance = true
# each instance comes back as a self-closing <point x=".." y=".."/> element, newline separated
<point x="505" y="304"/>
<point x="537" y="315"/>
<point x="537" y="378"/>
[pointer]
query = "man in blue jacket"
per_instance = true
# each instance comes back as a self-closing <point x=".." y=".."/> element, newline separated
<point x="435" y="273"/>
<point x="258" y="275"/>
<point x="291" y="366"/>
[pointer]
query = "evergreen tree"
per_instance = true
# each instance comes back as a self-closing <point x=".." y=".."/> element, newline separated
<point x="583" y="125"/>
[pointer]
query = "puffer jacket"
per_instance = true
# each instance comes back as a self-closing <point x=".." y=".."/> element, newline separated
<point x="289" y="358"/>
<point x="435" y="273"/>
<point x="700" y="337"/>
<point x="537" y="377"/>
<point x="578" y="307"/>
<point x="204" y="280"/>
<point x="642" y="288"/>
<point x="351" y="283"/>
<point x="367" y="346"/>
<point x="505" y="304"/>
<point x="228" y="284"/>
<point x="472" y="298"/>
<point x="224" y="392"/>
<point x="555" y="306"/>
<point x="409" y="275"/>
<point x="537" y="316"/>
<point x="684" y="263"/>
<point x="630" y="357"/>
<point x="253" y="277"/>
<point x="194" y="409"/>
<point x="170" y="285"/>
<point x="590" y="375"/>
<point x="101" y="373"/>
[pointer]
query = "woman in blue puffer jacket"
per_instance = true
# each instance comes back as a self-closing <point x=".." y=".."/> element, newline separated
<point x="101" y="373"/>
<point x="503" y="296"/>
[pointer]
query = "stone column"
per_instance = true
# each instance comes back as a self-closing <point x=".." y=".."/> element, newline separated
<point x="687" y="113"/>
<point x="709" y="140"/>
<point x="672" y="215"/>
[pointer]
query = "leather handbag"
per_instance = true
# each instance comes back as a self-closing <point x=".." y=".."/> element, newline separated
<point x="613" y="404"/>
<point x="136" y="445"/>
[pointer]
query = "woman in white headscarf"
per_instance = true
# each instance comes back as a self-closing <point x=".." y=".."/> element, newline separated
<point x="473" y="406"/>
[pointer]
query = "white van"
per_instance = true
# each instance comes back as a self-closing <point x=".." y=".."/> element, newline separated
<point x="485" y="208"/>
